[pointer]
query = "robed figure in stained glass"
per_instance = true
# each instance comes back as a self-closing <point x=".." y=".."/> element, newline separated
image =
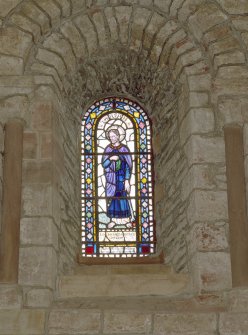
<point x="117" y="180"/>
<point x="117" y="164"/>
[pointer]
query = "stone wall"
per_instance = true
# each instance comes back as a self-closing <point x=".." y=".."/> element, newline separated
<point x="66" y="136"/>
<point x="170" y="169"/>
<point x="1" y="169"/>
<point x="185" y="61"/>
<point x="39" y="229"/>
<point x="193" y="43"/>
<point x="50" y="224"/>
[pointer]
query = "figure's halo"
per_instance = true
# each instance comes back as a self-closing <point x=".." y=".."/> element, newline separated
<point x="120" y="129"/>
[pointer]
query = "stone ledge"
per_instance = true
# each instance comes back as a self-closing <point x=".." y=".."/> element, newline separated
<point x="146" y="304"/>
<point x="122" y="281"/>
<point x="22" y="322"/>
<point x="10" y="296"/>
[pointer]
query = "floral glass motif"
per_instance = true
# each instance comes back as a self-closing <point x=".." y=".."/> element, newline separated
<point x="117" y="181"/>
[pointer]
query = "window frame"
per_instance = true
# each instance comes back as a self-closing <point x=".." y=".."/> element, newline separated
<point x="137" y="258"/>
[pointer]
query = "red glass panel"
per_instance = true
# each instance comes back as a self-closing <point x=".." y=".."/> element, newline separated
<point x="145" y="249"/>
<point x="89" y="250"/>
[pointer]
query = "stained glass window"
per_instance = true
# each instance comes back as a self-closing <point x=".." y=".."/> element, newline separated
<point x="117" y="180"/>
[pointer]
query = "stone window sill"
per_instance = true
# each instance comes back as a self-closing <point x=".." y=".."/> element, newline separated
<point x="157" y="259"/>
<point x="122" y="280"/>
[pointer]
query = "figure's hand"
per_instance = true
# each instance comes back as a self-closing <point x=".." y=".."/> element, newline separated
<point x="127" y="186"/>
<point x="114" y="158"/>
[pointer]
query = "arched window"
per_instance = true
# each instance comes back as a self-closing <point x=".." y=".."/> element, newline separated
<point x="117" y="180"/>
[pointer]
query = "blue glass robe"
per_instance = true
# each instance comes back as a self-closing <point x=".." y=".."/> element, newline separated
<point x="116" y="172"/>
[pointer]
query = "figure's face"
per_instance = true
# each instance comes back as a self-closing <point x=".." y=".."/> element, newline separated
<point x="113" y="137"/>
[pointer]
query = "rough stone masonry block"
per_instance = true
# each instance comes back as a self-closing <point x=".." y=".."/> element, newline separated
<point x="233" y="57"/>
<point x="47" y="72"/>
<point x="37" y="266"/>
<point x="37" y="199"/>
<point x="208" y="237"/>
<point x="61" y="47"/>
<point x="7" y="6"/>
<point x="188" y="8"/>
<point x="200" y="82"/>
<point x="159" y="192"/>
<point x="155" y="23"/>
<point x="234" y="6"/>
<point x="198" y="177"/>
<point x="70" y="32"/>
<point x="240" y="23"/>
<point x="190" y="57"/>
<point x="85" y="26"/>
<point x="163" y="4"/>
<point x="13" y="107"/>
<point x="233" y="324"/>
<point x="231" y="86"/>
<point x="140" y="19"/>
<point x="229" y="111"/>
<point x="39" y="298"/>
<point x="123" y="17"/>
<point x="78" y="321"/>
<point x="211" y="271"/>
<point x="22" y="322"/>
<point x="216" y="33"/>
<point x="225" y="45"/>
<point x="198" y="68"/>
<point x="39" y="231"/>
<point x="30" y="145"/>
<point x="185" y="324"/>
<point x="175" y="6"/>
<point x="197" y="121"/>
<point x="37" y="15"/>
<point x="187" y="60"/>
<point x="127" y="322"/>
<point x="199" y="149"/>
<point x="42" y="115"/>
<point x="245" y="38"/>
<point x="100" y="27"/>
<point x="27" y="25"/>
<point x="207" y="206"/>
<point x="51" y="58"/>
<point x="65" y="6"/>
<point x="51" y="10"/>
<point x="238" y="300"/>
<point x="10" y="297"/>
<point x="15" y="42"/>
<point x="112" y="23"/>
<point x="175" y="39"/>
<point x="102" y="2"/>
<point x="206" y="17"/>
<point x="46" y="145"/>
<point x="169" y="28"/>
<point x="147" y="2"/>
<point x="236" y="71"/>
<point x="11" y="66"/>
<point x="180" y="48"/>
<point x="198" y="99"/>
<point x="77" y="5"/>
<point x="37" y="171"/>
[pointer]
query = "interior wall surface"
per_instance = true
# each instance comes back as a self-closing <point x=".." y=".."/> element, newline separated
<point x="185" y="62"/>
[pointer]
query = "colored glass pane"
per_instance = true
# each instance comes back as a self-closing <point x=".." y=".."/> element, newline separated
<point x="114" y="133"/>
